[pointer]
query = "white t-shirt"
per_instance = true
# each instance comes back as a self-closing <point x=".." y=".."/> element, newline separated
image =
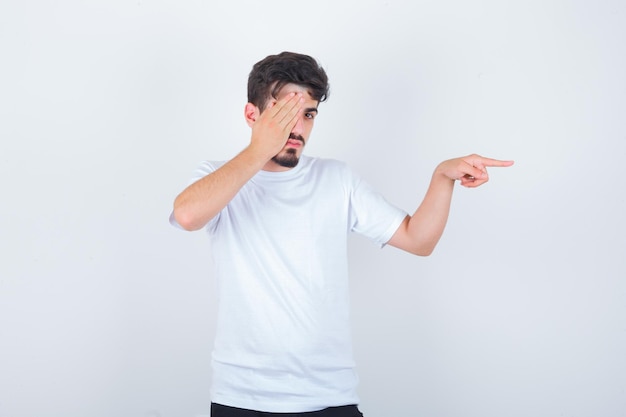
<point x="283" y="341"/>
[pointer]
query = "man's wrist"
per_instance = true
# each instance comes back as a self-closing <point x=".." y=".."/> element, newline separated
<point x="440" y="176"/>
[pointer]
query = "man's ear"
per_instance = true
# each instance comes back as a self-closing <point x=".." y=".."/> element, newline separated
<point x="251" y="113"/>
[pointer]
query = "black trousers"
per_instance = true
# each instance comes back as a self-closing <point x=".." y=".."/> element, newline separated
<point x="218" y="410"/>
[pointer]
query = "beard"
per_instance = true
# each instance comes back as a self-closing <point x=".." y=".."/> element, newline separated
<point x="288" y="158"/>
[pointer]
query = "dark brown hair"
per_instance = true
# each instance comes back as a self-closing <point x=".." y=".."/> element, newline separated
<point x="272" y="73"/>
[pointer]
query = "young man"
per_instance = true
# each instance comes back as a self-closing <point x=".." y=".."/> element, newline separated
<point x="278" y="223"/>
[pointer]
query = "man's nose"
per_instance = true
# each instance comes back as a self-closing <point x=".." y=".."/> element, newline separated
<point x="299" y="127"/>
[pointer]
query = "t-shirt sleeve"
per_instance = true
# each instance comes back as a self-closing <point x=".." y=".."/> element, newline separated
<point x="372" y="215"/>
<point x="204" y="169"/>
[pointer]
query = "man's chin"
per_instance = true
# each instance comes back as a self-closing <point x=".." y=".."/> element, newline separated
<point x="286" y="159"/>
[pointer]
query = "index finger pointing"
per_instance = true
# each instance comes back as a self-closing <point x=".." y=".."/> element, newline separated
<point x="488" y="162"/>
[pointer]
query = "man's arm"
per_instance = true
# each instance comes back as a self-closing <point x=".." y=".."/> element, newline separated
<point x="204" y="199"/>
<point x="419" y="234"/>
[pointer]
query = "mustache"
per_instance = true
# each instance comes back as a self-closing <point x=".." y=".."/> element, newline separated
<point x="296" y="137"/>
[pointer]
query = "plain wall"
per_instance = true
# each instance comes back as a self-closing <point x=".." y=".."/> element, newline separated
<point x="106" y="107"/>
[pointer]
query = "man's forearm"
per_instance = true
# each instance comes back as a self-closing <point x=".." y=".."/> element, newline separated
<point x="428" y="222"/>
<point x="204" y="199"/>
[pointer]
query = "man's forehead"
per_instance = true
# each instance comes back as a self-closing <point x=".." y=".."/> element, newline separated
<point x="293" y="88"/>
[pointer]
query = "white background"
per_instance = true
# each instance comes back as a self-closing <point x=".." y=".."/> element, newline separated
<point x="106" y="107"/>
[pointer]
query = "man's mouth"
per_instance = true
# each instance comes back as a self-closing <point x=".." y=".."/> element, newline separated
<point x="295" y="140"/>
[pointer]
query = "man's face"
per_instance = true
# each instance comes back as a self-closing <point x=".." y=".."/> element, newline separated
<point x="289" y="156"/>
